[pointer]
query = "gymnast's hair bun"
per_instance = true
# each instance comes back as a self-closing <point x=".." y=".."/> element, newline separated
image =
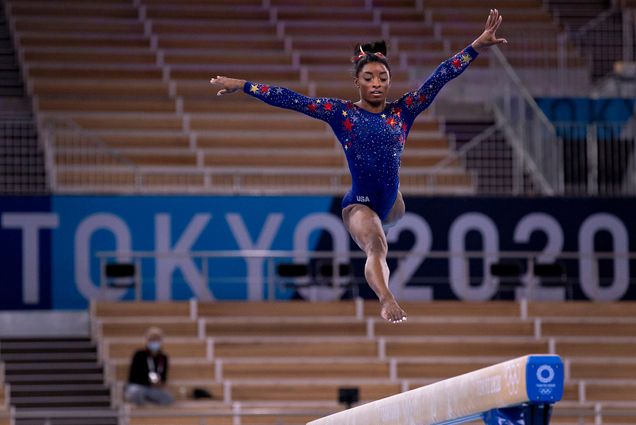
<point x="369" y="52"/>
<point x="374" y="47"/>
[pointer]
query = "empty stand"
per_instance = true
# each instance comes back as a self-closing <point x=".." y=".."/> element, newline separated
<point x="295" y="355"/>
<point x="134" y="80"/>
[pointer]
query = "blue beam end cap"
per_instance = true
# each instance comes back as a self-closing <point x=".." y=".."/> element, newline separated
<point x="544" y="378"/>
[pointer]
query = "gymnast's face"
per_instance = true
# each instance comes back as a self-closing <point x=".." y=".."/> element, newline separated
<point x="374" y="81"/>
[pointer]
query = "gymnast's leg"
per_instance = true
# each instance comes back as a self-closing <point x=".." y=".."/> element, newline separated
<point x="365" y="228"/>
<point x="397" y="212"/>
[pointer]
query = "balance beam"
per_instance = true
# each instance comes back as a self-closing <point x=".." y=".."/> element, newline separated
<point x="502" y="391"/>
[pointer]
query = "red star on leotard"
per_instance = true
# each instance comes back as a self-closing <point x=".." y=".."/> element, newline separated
<point x="397" y="111"/>
<point x="391" y="121"/>
<point x="264" y="89"/>
<point x="348" y="124"/>
<point x="404" y="126"/>
<point x="328" y="106"/>
<point x="457" y="63"/>
<point x="409" y="101"/>
<point x="312" y="107"/>
<point x="422" y="98"/>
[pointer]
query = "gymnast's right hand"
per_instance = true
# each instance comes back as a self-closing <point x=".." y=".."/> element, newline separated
<point x="229" y="85"/>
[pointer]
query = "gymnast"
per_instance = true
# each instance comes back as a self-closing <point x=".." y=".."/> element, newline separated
<point x="372" y="132"/>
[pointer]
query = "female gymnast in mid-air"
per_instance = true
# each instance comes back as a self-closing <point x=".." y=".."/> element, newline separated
<point x="372" y="132"/>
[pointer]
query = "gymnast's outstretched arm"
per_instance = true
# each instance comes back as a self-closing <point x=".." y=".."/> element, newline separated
<point x="417" y="101"/>
<point x="325" y="109"/>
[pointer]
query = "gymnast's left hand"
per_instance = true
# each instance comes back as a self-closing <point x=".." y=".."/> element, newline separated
<point x="229" y="85"/>
<point x="489" y="37"/>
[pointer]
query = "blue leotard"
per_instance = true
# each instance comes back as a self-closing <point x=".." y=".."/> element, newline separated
<point x="373" y="142"/>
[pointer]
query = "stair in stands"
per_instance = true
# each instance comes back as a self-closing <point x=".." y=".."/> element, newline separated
<point x="494" y="149"/>
<point x="22" y="168"/>
<point x="11" y="84"/>
<point x="22" y="164"/>
<point x="573" y="14"/>
<point x="62" y="376"/>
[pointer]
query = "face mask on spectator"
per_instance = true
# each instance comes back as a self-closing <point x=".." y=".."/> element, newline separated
<point x="154" y="346"/>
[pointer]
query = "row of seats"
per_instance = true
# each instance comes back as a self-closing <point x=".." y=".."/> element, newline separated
<point x="134" y="81"/>
<point x="362" y="328"/>
<point x="296" y="355"/>
<point x="5" y="413"/>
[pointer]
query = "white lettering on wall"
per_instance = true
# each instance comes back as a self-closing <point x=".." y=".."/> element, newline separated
<point x="83" y="234"/>
<point x="264" y="241"/>
<point x="588" y="270"/>
<point x="30" y="224"/>
<point x="459" y="267"/>
<point x="166" y="266"/>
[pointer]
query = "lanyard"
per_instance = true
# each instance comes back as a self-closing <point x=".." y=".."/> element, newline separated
<point x="151" y="365"/>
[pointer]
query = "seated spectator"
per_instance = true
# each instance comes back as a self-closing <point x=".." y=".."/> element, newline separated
<point x="149" y="372"/>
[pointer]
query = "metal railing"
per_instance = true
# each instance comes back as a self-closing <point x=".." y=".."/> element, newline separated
<point x="599" y="158"/>
<point x="22" y="169"/>
<point x="217" y="268"/>
<point x="605" y="40"/>
<point x="528" y="130"/>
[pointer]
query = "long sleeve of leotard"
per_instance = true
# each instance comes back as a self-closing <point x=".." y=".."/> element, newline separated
<point x="325" y="109"/>
<point x="417" y="101"/>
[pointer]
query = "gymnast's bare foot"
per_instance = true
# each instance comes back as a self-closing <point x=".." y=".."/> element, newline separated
<point x="391" y="311"/>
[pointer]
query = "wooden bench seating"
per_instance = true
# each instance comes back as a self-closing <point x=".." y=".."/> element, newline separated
<point x="130" y="139"/>
<point x="122" y="106"/>
<point x="600" y="368"/>
<point x="452" y="309"/>
<point x="4" y="397"/>
<point x="582" y="309"/>
<point x="213" y="27"/>
<point x="588" y="328"/>
<point x="254" y="3"/>
<point x="246" y="392"/>
<point x="199" y="371"/>
<point x="302" y="352"/>
<point x="177" y="41"/>
<point x="437" y="369"/>
<point x="467" y="327"/>
<point x="131" y="77"/>
<point x="621" y="391"/>
<point x="171" y="327"/>
<point x="91" y="57"/>
<point x="127" y="121"/>
<point x="324" y="14"/>
<point x="33" y="39"/>
<point x="269" y="140"/>
<point x="93" y="72"/>
<point x="595" y="348"/>
<point x="196" y="413"/>
<point x="329" y="158"/>
<point x="206" y="13"/>
<point x="282" y="369"/>
<point x="188" y="349"/>
<point x="305" y="348"/>
<point x="125" y="88"/>
<point x="289" y="328"/>
<point x="78" y="10"/>
<point x="257" y="122"/>
<point x="282" y="309"/>
<point x="494" y="348"/>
